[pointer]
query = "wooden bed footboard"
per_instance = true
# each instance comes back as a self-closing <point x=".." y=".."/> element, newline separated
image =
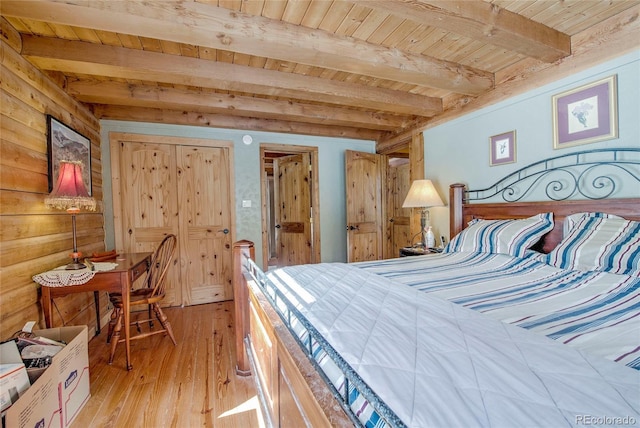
<point x="291" y="390"/>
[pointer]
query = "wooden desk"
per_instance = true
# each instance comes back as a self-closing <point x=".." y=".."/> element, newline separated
<point x="119" y="280"/>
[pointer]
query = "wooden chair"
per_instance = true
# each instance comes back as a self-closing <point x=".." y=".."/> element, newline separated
<point x="150" y="295"/>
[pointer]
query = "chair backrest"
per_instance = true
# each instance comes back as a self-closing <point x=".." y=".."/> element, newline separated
<point x="160" y="263"/>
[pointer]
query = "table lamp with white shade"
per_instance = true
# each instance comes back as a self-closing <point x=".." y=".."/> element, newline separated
<point x="423" y="195"/>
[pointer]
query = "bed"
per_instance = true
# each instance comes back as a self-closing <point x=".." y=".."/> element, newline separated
<point x="510" y="326"/>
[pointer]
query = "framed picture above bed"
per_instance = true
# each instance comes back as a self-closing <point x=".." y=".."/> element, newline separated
<point x="502" y="148"/>
<point x="64" y="143"/>
<point x="586" y="114"/>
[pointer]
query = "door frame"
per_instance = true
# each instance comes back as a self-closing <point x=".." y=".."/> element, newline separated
<point x="287" y="149"/>
<point x="412" y="145"/>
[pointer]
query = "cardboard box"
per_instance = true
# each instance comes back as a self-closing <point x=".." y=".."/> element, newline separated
<point x="13" y="382"/>
<point x="13" y="375"/>
<point x="59" y="394"/>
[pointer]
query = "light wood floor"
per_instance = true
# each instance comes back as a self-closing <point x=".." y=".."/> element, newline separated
<point x="190" y="385"/>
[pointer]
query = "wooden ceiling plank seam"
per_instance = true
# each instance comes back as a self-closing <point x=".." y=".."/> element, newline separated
<point x="17" y="23"/>
<point x="86" y="34"/>
<point x="388" y="25"/>
<point x="150" y="44"/>
<point x="333" y="18"/>
<point x="132" y="42"/>
<point x="294" y="11"/>
<point x="401" y="32"/>
<point x="39" y="27"/>
<point x="370" y="25"/>
<point x="109" y="38"/>
<point x="227" y="4"/>
<point x="64" y="32"/>
<point x="241" y="59"/>
<point x="352" y="21"/>
<point x="170" y="48"/>
<point x="315" y="13"/>
<point x="273" y="9"/>
<point x="254" y="7"/>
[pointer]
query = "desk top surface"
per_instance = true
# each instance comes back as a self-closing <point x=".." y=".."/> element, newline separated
<point x="127" y="261"/>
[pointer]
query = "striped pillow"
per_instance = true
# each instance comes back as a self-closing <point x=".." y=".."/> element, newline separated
<point x="571" y="220"/>
<point x="512" y="237"/>
<point x="599" y="243"/>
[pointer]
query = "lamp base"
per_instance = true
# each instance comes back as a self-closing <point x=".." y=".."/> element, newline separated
<point x="75" y="266"/>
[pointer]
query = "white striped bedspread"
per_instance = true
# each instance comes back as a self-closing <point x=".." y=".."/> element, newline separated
<point x="437" y="364"/>
<point x="593" y="311"/>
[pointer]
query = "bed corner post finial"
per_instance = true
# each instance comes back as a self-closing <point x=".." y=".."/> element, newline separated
<point x="456" y="199"/>
<point x="241" y="250"/>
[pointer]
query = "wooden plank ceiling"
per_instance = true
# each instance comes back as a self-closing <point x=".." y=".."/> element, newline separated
<point x="356" y="68"/>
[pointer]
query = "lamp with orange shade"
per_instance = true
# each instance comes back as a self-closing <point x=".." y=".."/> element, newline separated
<point x="70" y="194"/>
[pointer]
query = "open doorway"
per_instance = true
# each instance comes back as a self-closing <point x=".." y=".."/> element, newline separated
<point x="290" y="205"/>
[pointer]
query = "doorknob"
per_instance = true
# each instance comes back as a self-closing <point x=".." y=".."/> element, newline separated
<point x="225" y="231"/>
<point x="278" y="226"/>
<point x="353" y="228"/>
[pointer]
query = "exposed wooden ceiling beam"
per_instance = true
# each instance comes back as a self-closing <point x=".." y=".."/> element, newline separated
<point x="588" y="47"/>
<point x="480" y="20"/>
<point x="191" y="118"/>
<point x="112" y="61"/>
<point x="118" y="93"/>
<point x="225" y="29"/>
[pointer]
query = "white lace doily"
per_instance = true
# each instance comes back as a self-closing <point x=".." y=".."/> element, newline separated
<point x="60" y="277"/>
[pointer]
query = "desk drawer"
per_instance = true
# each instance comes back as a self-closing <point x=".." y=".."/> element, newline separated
<point x="138" y="270"/>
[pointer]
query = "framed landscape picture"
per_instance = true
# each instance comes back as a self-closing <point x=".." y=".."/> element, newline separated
<point x="64" y="143"/>
<point x="586" y="114"/>
<point x="502" y="148"/>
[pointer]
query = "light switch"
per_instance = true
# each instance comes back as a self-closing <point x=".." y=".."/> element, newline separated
<point x="246" y="203"/>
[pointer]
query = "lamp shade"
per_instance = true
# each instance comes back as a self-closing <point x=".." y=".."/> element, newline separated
<point x="69" y="192"/>
<point x="422" y="194"/>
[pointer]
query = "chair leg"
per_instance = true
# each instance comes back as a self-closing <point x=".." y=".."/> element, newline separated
<point x="116" y="332"/>
<point x="112" y="323"/>
<point x="164" y="321"/>
<point x="149" y="308"/>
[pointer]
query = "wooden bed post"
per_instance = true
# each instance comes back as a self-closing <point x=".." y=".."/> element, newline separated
<point x="241" y="249"/>
<point x="456" y="199"/>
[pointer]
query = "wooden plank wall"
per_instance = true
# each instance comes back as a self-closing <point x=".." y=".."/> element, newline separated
<point x="34" y="238"/>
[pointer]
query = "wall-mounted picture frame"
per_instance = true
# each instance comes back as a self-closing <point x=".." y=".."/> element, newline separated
<point x="64" y="143"/>
<point x="587" y="114"/>
<point x="502" y="148"/>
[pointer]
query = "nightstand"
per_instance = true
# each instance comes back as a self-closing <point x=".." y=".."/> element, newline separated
<point x="412" y="251"/>
<point x="418" y="251"/>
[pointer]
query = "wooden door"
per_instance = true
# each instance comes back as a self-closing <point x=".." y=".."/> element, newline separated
<point x="365" y="174"/>
<point x="205" y="199"/>
<point x="147" y="185"/>
<point x="398" y="232"/>
<point x="292" y="196"/>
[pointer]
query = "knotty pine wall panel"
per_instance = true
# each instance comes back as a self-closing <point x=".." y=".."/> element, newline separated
<point x="34" y="238"/>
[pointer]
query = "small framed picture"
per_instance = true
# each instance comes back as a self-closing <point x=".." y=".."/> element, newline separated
<point x="586" y="114"/>
<point x="65" y="143"/>
<point x="502" y="148"/>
